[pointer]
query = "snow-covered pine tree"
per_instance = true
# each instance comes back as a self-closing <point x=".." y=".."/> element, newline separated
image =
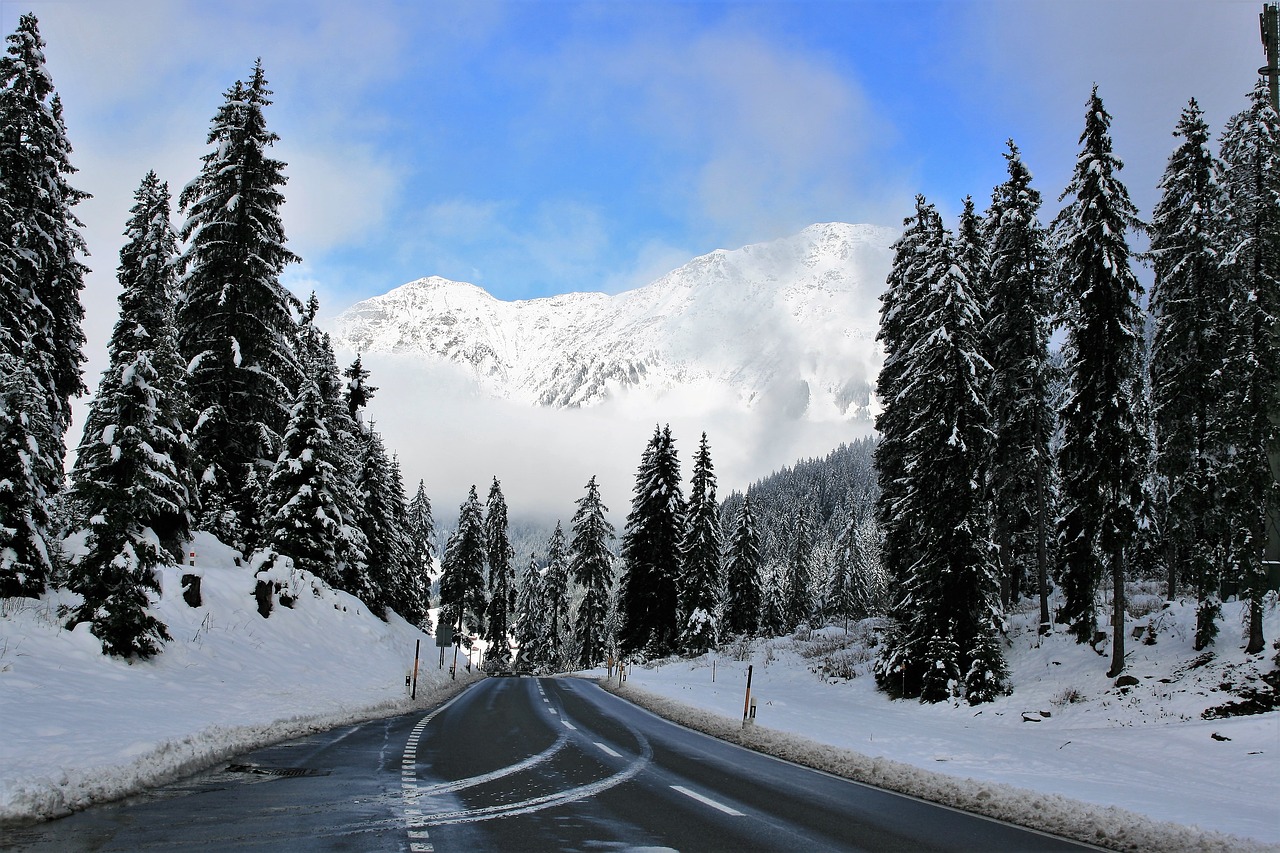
<point x="390" y="582"/>
<point x="1104" y="447"/>
<point x="742" y="567"/>
<point x="591" y="565"/>
<point x="462" y="600"/>
<point x="302" y="519"/>
<point x="236" y="326"/>
<point x="41" y="338"/>
<point x="555" y="600"/>
<point x="700" y="559"/>
<point x="131" y="484"/>
<point x="26" y="429"/>
<point x="973" y="255"/>
<point x="798" y="603"/>
<point x="1251" y="177"/>
<point x="649" y="597"/>
<point x="950" y="605"/>
<point x="1019" y="309"/>
<point x="41" y="236"/>
<point x="422" y="527"/>
<point x="358" y="390"/>
<point x="413" y="580"/>
<point x="900" y="325"/>
<point x="1189" y="305"/>
<point x="318" y="363"/>
<point x="529" y="619"/>
<point x="773" y="618"/>
<point x="846" y="596"/>
<point x="502" y="587"/>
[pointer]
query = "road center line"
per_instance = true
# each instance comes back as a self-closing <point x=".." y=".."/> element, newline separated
<point x="606" y="749"/>
<point x="707" y="801"/>
<point x="569" y="725"/>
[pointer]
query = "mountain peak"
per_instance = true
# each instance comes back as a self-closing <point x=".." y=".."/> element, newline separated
<point x="788" y="323"/>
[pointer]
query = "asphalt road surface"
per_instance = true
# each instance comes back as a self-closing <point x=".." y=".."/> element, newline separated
<point x="520" y="764"/>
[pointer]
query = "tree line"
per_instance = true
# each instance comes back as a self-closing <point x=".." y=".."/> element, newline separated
<point x="222" y="407"/>
<point x="1002" y="470"/>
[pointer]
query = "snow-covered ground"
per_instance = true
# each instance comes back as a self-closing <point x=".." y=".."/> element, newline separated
<point x="77" y="727"/>
<point x="1065" y="737"/>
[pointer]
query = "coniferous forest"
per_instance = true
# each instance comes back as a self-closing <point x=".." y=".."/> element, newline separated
<point x="1048" y="429"/>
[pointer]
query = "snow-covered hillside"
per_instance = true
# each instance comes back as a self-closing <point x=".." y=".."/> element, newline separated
<point x="80" y="728"/>
<point x="789" y="324"/>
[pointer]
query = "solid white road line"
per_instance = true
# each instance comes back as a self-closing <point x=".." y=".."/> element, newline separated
<point x="708" y="801"/>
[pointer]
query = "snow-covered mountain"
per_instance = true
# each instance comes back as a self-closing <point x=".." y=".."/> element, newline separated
<point x="787" y="325"/>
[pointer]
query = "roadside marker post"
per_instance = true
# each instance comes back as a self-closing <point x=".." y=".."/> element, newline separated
<point x="746" y="705"/>
<point x="417" y="647"/>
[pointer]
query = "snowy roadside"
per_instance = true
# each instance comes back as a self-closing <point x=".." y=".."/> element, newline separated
<point x="1138" y="766"/>
<point x="1105" y="826"/>
<point x="80" y="728"/>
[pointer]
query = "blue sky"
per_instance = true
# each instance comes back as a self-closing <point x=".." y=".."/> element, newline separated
<point x="542" y="147"/>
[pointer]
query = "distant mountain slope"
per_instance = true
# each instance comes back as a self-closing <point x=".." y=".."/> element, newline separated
<point x="789" y="325"/>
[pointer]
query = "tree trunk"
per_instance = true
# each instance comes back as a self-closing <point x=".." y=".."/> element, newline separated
<point x="1005" y="559"/>
<point x="1117" y="615"/>
<point x="1042" y="549"/>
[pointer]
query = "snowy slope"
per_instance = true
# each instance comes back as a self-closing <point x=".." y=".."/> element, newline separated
<point x="80" y="728"/>
<point x="789" y="324"/>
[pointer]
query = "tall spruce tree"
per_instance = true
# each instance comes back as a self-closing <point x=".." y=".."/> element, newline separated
<point x="462" y="599"/>
<point x="41" y="277"/>
<point x="26" y="429"/>
<point x="1104" y="447"/>
<point x="941" y="643"/>
<point x="302" y="519"/>
<point x="392" y="580"/>
<point x="130" y="482"/>
<point x="235" y="319"/>
<point x="319" y="364"/>
<point x="555" y="599"/>
<point x="530" y="623"/>
<point x="43" y="313"/>
<point x="649" y="598"/>
<point x="742" y="567"/>
<point x="846" y="594"/>
<point x="1019" y="310"/>
<point x="798" y="603"/>
<point x="700" y="558"/>
<point x="1251" y="403"/>
<point x="502" y="587"/>
<point x="1190" y="308"/>
<point x="358" y="390"/>
<point x="422" y="527"/>
<point x="900" y="325"/>
<point x="591" y="565"/>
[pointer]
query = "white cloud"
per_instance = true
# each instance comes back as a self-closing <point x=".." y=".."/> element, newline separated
<point x="761" y="139"/>
<point x="451" y="436"/>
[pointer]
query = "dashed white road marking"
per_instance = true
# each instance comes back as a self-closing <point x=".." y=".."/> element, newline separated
<point x="707" y="801"/>
<point x="568" y="725"/>
<point x="607" y="750"/>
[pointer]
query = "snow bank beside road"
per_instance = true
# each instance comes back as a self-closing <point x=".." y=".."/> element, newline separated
<point x="1108" y="827"/>
<point x="80" y="728"/>
<point x="1066" y="730"/>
